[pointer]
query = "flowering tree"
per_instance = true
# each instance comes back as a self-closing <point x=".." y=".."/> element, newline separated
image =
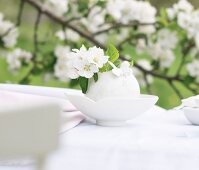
<point x="164" y="46"/>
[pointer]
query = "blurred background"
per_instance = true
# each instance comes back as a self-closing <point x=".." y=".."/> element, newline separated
<point x="168" y="97"/>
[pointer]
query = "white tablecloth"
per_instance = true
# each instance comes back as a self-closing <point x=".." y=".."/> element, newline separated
<point x="157" y="140"/>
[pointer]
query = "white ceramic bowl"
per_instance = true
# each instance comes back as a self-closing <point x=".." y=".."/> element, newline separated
<point x="192" y="114"/>
<point x="113" y="111"/>
<point x="192" y="110"/>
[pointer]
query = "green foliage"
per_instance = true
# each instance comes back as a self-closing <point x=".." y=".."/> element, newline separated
<point x="112" y="52"/>
<point x="95" y="77"/>
<point x="83" y="82"/>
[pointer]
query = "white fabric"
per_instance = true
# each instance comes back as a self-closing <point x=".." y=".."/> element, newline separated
<point x="39" y="90"/>
<point x="157" y="140"/>
<point x="23" y="95"/>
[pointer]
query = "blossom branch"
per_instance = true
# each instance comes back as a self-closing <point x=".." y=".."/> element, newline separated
<point x="175" y="89"/>
<point x="120" y="25"/>
<point x="36" y="49"/>
<point x="67" y="24"/>
<point x="21" y="6"/>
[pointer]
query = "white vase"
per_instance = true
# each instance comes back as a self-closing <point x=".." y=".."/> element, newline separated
<point x="110" y="85"/>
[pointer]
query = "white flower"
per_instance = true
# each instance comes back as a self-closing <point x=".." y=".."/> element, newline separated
<point x="124" y="70"/>
<point x="102" y="38"/>
<point x="86" y="62"/>
<point x="8" y="31"/>
<point x="63" y="67"/>
<point x="181" y="6"/>
<point x="5" y="26"/>
<point x="167" y="38"/>
<point x="15" y="58"/>
<point x="193" y="69"/>
<point x="140" y="76"/>
<point x="197" y="40"/>
<point x="162" y="49"/>
<point x="86" y="69"/>
<point x="10" y="39"/>
<point x="123" y="34"/>
<point x="59" y="7"/>
<point x="147" y="29"/>
<point x="141" y="46"/>
<point x="118" y="7"/>
<point x="61" y="35"/>
<point x="64" y="70"/>
<point x="80" y="62"/>
<point x="95" y="19"/>
<point x="131" y="10"/>
<point x="189" y="22"/>
<point x="68" y="34"/>
<point x="61" y="51"/>
<point x="97" y="57"/>
<point x="164" y="56"/>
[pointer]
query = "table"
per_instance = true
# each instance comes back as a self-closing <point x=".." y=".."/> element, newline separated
<point x="157" y="140"/>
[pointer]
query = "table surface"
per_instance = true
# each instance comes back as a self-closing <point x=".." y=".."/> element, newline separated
<point x="156" y="140"/>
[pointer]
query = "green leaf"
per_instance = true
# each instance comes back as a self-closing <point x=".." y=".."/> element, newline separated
<point x="106" y="67"/>
<point x="83" y="82"/>
<point x="95" y="77"/>
<point x="73" y="83"/>
<point x="117" y="63"/>
<point x="112" y="52"/>
<point x="188" y="80"/>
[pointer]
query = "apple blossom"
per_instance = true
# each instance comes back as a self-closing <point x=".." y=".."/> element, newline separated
<point x="140" y="76"/>
<point x="59" y="7"/>
<point x="15" y="58"/>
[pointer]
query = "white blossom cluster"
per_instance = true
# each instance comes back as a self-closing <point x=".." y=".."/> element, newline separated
<point x="193" y="69"/>
<point x="59" y="7"/>
<point x="123" y="12"/>
<point x="16" y="57"/>
<point x="142" y="79"/>
<point x="95" y="20"/>
<point x="124" y="70"/>
<point x="61" y="68"/>
<point x="8" y="32"/>
<point x="162" y="49"/>
<point x="188" y="19"/>
<point x="183" y="6"/>
<point x="83" y="62"/>
<point x="67" y="34"/>
<point x="127" y="11"/>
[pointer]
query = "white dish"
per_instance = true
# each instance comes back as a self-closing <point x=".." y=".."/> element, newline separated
<point x="113" y="111"/>
<point x="192" y="114"/>
<point x="197" y="100"/>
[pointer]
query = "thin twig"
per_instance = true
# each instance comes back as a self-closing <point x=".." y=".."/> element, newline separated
<point x="147" y="84"/>
<point x="36" y="48"/>
<point x="175" y="89"/>
<point x="21" y="6"/>
<point x="120" y="25"/>
<point x="35" y="38"/>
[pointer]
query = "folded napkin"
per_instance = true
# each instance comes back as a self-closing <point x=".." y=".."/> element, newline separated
<point x="70" y="116"/>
